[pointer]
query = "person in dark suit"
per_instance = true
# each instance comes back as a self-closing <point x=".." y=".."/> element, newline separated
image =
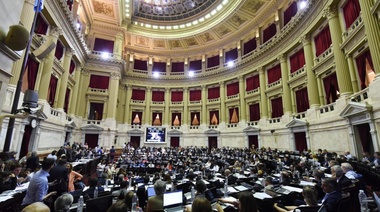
<point x="33" y="162"/>
<point x="338" y="173"/>
<point x="60" y="175"/>
<point x="8" y="181"/>
<point x="332" y="195"/>
<point x="231" y="179"/>
<point x="89" y="193"/>
<point x="155" y="203"/>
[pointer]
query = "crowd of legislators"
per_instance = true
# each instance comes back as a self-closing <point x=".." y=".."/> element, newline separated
<point x="52" y="180"/>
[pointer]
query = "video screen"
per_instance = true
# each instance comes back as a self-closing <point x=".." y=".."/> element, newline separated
<point x="155" y="134"/>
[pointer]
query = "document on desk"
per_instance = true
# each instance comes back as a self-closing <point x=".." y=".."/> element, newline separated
<point x="229" y="199"/>
<point x="328" y="175"/>
<point x="241" y="188"/>
<point x="306" y="183"/>
<point x="232" y="189"/>
<point x="22" y="187"/>
<point x="261" y="195"/>
<point x="291" y="188"/>
<point x="5" y="198"/>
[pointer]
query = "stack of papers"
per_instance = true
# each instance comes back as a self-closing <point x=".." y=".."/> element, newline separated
<point x="261" y="195"/>
<point x="241" y="188"/>
<point x="291" y="188"/>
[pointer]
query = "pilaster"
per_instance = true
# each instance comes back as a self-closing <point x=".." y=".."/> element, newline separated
<point x="243" y="107"/>
<point x="222" y="102"/>
<point x="286" y="100"/>
<point x="64" y="78"/>
<point x="113" y="94"/>
<point x="263" y="97"/>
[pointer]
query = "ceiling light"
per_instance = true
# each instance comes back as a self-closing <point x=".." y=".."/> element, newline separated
<point x="219" y="7"/>
<point x="195" y="22"/>
<point x="201" y="19"/>
<point x="207" y="16"/>
<point x="225" y="2"/>
<point x="168" y="27"/>
<point x="78" y="25"/>
<point x="191" y="73"/>
<point x="188" y="24"/>
<point x="302" y="4"/>
<point x="156" y="74"/>
<point x="175" y="27"/>
<point x="105" y="55"/>
<point x="230" y="64"/>
<point x="155" y="27"/>
<point x="213" y="12"/>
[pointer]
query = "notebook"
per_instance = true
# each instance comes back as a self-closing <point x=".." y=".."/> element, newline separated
<point x="173" y="201"/>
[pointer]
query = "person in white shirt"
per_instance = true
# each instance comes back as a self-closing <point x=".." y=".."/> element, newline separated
<point x="349" y="171"/>
<point x="53" y="155"/>
<point x="348" y="155"/>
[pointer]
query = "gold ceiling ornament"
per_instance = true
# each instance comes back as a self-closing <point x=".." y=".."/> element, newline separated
<point x="195" y="121"/>
<point x="136" y="120"/>
<point x="157" y="121"/>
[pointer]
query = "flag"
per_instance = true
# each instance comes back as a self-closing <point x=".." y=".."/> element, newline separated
<point x="38" y="5"/>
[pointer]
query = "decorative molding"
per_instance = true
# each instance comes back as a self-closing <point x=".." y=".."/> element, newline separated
<point x="55" y="31"/>
<point x="331" y="11"/>
<point x="115" y="75"/>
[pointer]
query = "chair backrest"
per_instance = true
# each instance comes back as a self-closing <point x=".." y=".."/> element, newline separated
<point x="344" y="203"/>
<point x="377" y="200"/>
<point x="100" y="204"/>
<point x="354" y="196"/>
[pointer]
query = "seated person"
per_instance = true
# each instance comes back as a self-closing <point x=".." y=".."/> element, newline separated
<point x="349" y="171"/>
<point x="89" y="193"/>
<point x="202" y="204"/>
<point x="155" y="203"/>
<point x="122" y="191"/>
<point x="200" y="187"/>
<point x="63" y="203"/>
<point x="332" y="194"/>
<point x="123" y="204"/>
<point x="8" y="181"/>
<point x="247" y="202"/>
<point x="341" y="179"/>
<point x="230" y="178"/>
<point x="268" y="185"/>
<point x="309" y="195"/>
<point x="36" y="207"/>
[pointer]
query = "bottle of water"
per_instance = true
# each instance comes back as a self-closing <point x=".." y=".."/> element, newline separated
<point x="135" y="203"/>
<point x="192" y="193"/>
<point x="225" y="189"/>
<point x="172" y="187"/>
<point x="363" y="201"/>
<point x="307" y="172"/>
<point x="80" y="204"/>
<point x="96" y="192"/>
<point x="106" y="184"/>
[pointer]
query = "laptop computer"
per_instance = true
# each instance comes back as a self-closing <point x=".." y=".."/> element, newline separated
<point x="173" y="201"/>
<point x="283" y="191"/>
<point x="151" y="191"/>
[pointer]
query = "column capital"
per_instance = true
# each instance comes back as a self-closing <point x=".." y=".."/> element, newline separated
<point x="167" y="90"/>
<point x="69" y="52"/>
<point x="305" y="39"/>
<point x="85" y="71"/>
<point x="221" y="83"/>
<point x="260" y="70"/>
<point x="331" y="11"/>
<point x="115" y="75"/>
<point x="203" y="87"/>
<point x="148" y="88"/>
<point x="240" y="78"/>
<point x="282" y="58"/>
<point x="185" y="89"/>
<point x="55" y="31"/>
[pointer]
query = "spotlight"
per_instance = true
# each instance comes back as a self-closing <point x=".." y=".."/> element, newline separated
<point x="156" y="74"/>
<point x="303" y="4"/>
<point x="230" y="64"/>
<point x="105" y="55"/>
<point x="191" y="73"/>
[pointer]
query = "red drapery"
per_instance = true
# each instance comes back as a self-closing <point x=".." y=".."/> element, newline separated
<point x="100" y="82"/>
<point x="233" y="89"/>
<point x="174" y="141"/>
<point x="365" y="136"/>
<point x="274" y="74"/>
<point x="178" y="67"/>
<point x="52" y="90"/>
<point x="179" y="118"/>
<point x="25" y="140"/>
<point x="213" y="61"/>
<point x="330" y="84"/>
<point x="67" y="100"/>
<point x="249" y="46"/>
<point x="96" y="111"/>
<point x="30" y="74"/>
<point x="135" y="141"/>
<point x="158" y="96"/>
<point x="351" y="11"/>
<point x="322" y="41"/>
<point x="253" y="140"/>
<point x="70" y="4"/>
<point x="254" y="112"/>
<point x="231" y="55"/>
<point x="159" y="66"/>
<point x="302" y="100"/>
<point x="140" y="65"/>
<point x="213" y="93"/>
<point x="212" y="142"/>
<point x="91" y="140"/>
<point x="195" y="65"/>
<point x="277" y="110"/>
<point x="41" y="26"/>
<point x="300" y="141"/>
<point x="231" y="111"/>
<point x="103" y="45"/>
<point x="297" y="61"/>
<point x="138" y="94"/>
<point x="72" y="66"/>
<point x="216" y="112"/>
<point x="154" y="116"/>
<point x="290" y="12"/>
<point x="177" y="96"/>
<point x="252" y="83"/>
<point x="269" y="32"/>
<point x="195" y="95"/>
<point x="361" y="66"/>
<point x="140" y="115"/>
<point x="59" y="50"/>
<point x="192" y="115"/>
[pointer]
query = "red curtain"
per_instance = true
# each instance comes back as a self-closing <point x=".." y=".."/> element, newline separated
<point x="174" y="141"/>
<point x="253" y="140"/>
<point x="216" y="112"/>
<point x="233" y="89"/>
<point x="231" y="55"/>
<point x="300" y="141"/>
<point x="277" y="110"/>
<point x="212" y="142"/>
<point x="138" y="94"/>
<point x="269" y="32"/>
<point x="302" y="100"/>
<point x="140" y="65"/>
<point x="231" y="111"/>
<point x="158" y="96"/>
<point x="252" y="83"/>
<point x="67" y="100"/>
<point x="139" y="114"/>
<point x="274" y="74"/>
<point x="135" y="141"/>
<point x="330" y="84"/>
<point x="322" y="41"/>
<point x="361" y="66"/>
<point x="351" y="11"/>
<point x="195" y="65"/>
<point x="100" y="82"/>
<point x="254" y="112"/>
<point x="178" y="67"/>
<point x="365" y="136"/>
<point x="52" y="90"/>
<point x="31" y="73"/>
<point x="177" y="96"/>
<point x="41" y="26"/>
<point x="290" y="12"/>
<point x="72" y="66"/>
<point x="96" y="111"/>
<point x="213" y="61"/>
<point x="249" y="46"/>
<point x="91" y="140"/>
<point x="154" y="115"/>
<point x="297" y="61"/>
<point x="179" y="118"/>
<point x="213" y="93"/>
<point x="103" y="45"/>
<point x="192" y="115"/>
<point x="159" y="66"/>
<point x="195" y="95"/>
<point x="59" y="50"/>
<point x="25" y="140"/>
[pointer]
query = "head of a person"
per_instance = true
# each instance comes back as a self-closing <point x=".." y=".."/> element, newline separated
<point x="63" y="203"/>
<point x="15" y="168"/>
<point x="318" y="174"/>
<point x="69" y="167"/>
<point x="201" y="204"/>
<point x="54" y="152"/>
<point x="247" y="202"/>
<point x="376" y="155"/>
<point x="346" y="167"/>
<point x="47" y="164"/>
<point x="36" y="207"/>
<point x="61" y="162"/>
<point x="333" y="163"/>
<point x="329" y="185"/>
<point x="160" y="187"/>
<point x="4" y="176"/>
<point x="124" y="184"/>
<point x="200" y="186"/>
<point x="227" y="172"/>
<point x="128" y="199"/>
<point x="118" y="206"/>
<point x="93" y="182"/>
<point x="310" y="195"/>
<point x="268" y="181"/>
<point x="337" y="171"/>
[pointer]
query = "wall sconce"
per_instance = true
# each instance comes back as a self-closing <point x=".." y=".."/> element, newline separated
<point x="272" y="131"/>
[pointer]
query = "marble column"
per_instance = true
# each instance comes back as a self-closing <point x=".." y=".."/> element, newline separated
<point x="372" y="26"/>
<point x="263" y="96"/>
<point x="121" y="102"/>
<point x="312" y="87"/>
<point x="48" y="66"/>
<point x="341" y="66"/>
<point x="286" y="100"/>
<point x="84" y="82"/>
<point x="222" y="91"/>
<point x="243" y="109"/>
<point x="204" y="107"/>
<point x="148" y="100"/>
<point x="64" y="78"/>
<point x="127" y="113"/>
<point x="118" y="45"/>
<point x="185" y="106"/>
<point x="351" y="67"/>
<point x="74" y="95"/>
<point x="167" y="102"/>
<point x="113" y="94"/>
<point x="221" y="57"/>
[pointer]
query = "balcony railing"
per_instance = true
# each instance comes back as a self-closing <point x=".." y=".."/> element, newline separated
<point x="97" y="90"/>
<point x="359" y="96"/>
<point x="194" y="127"/>
<point x="256" y="90"/>
<point x="236" y="96"/>
<point x="95" y="122"/>
<point x="253" y="123"/>
<point x="55" y="113"/>
<point x="213" y="126"/>
<point x="136" y="126"/>
<point x="358" y="22"/>
<point x="324" y="55"/>
<point x="212" y="68"/>
<point x="213" y="100"/>
<point x="140" y="71"/>
<point x="232" y="125"/>
<point x="157" y="102"/>
<point x="301" y="115"/>
<point x="296" y="73"/>
<point x="273" y="84"/>
<point x="327" y="108"/>
<point x="175" y="127"/>
<point x="274" y="120"/>
<point x="103" y="54"/>
<point x="176" y="103"/>
<point x="138" y="101"/>
<point x="195" y="102"/>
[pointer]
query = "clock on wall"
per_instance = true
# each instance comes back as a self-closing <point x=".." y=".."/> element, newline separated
<point x="33" y="123"/>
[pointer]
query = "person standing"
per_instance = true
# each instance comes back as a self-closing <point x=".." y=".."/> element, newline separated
<point x="73" y="177"/>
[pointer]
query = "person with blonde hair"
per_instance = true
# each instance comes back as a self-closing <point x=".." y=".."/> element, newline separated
<point x="36" y="207"/>
<point x="63" y="203"/>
